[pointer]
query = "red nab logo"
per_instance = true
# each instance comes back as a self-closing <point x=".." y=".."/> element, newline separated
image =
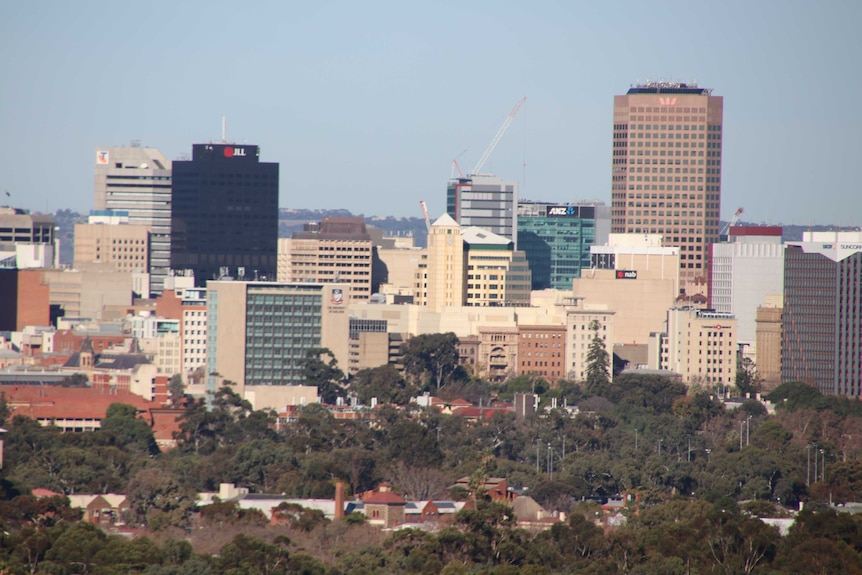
<point x="627" y="274"/>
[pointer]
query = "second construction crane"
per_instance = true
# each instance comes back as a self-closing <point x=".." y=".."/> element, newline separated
<point x="499" y="136"/>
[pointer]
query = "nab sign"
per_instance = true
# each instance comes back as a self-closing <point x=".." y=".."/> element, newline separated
<point x="627" y="274"/>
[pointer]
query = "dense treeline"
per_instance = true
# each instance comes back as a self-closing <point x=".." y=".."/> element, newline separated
<point x="685" y="459"/>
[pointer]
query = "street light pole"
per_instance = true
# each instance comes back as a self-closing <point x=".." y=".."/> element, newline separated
<point x="823" y="465"/>
<point x="815" y="463"/>
<point x="808" y="468"/>
<point x="708" y="455"/>
<point x="659" y="445"/>
<point x="689" y="449"/>
<point x="747" y="430"/>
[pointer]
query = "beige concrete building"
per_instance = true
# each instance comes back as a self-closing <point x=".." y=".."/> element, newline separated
<point x="399" y="268"/>
<point x="259" y="333"/>
<point x="497" y="273"/>
<point x="371" y="345"/>
<point x="490" y="340"/>
<point x="27" y="240"/>
<point x="337" y="250"/>
<point x="579" y="336"/>
<point x="768" y="333"/>
<point x="473" y="267"/>
<point x="123" y="247"/>
<point x="87" y="291"/>
<point x="636" y="277"/>
<point x="700" y="345"/>
<point x="442" y="282"/>
<point x="667" y="146"/>
<point x="280" y="396"/>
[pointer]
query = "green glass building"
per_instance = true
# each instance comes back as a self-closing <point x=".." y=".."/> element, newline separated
<point x="557" y="239"/>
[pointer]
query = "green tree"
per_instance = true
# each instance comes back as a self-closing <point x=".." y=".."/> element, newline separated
<point x="384" y="382"/>
<point x="598" y="362"/>
<point x="323" y="373"/>
<point x="251" y="556"/>
<point x="431" y="355"/>
<point x="122" y="427"/>
<point x="176" y="390"/>
<point x="747" y="381"/>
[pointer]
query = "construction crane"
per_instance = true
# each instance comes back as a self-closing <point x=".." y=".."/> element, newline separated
<point x="730" y="224"/>
<point x="490" y="149"/>
<point x="425" y="214"/>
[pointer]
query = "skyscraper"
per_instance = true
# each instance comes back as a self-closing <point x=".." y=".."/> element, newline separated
<point x="224" y="214"/>
<point x="137" y="180"/>
<point x="822" y="323"/>
<point x="484" y="201"/>
<point x="667" y="169"/>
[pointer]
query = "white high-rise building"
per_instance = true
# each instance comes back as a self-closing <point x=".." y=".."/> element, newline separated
<point x="138" y="181"/>
<point x="485" y="201"/>
<point x="743" y="272"/>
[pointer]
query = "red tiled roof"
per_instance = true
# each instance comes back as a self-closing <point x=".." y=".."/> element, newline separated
<point x="383" y="498"/>
<point x="46" y="402"/>
<point x="42" y="492"/>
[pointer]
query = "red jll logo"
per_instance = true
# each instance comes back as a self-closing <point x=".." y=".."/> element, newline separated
<point x="667" y="101"/>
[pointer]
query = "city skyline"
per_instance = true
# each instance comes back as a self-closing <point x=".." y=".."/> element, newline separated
<point x="354" y="101"/>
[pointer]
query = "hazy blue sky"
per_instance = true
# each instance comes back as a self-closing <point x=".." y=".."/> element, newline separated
<point x="364" y="104"/>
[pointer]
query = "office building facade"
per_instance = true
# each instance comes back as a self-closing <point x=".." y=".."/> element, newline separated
<point x="258" y="333"/>
<point x="224" y="217"/>
<point x="821" y="321"/>
<point x="484" y="201"/>
<point x="124" y="247"/>
<point x="338" y="249"/>
<point x="742" y="273"/>
<point x="26" y="240"/>
<point x="667" y="155"/>
<point x="557" y="237"/>
<point x="698" y="344"/>
<point x="137" y="181"/>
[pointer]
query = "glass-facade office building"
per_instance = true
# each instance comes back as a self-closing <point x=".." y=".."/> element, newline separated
<point x="260" y="333"/>
<point x="224" y="214"/>
<point x="557" y="240"/>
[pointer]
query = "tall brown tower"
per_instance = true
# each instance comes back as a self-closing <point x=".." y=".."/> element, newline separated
<point x="667" y="170"/>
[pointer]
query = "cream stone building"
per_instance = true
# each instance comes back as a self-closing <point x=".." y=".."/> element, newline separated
<point x="471" y="267"/>
<point x="123" y="247"/>
<point x="89" y="290"/>
<point x="635" y="277"/>
<point x="768" y="333"/>
<point x="700" y="345"/>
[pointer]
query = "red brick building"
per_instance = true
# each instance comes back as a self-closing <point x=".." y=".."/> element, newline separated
<point x="24" y="299"/>
<point x="541" y="351"/>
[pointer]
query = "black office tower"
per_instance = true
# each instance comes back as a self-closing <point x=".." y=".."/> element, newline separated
<point x="224" y="214"/>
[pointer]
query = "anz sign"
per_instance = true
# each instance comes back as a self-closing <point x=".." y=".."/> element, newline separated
<point x="564" y="211"/>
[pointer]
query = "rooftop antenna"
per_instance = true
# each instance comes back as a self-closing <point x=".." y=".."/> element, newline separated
<point x="224" y="129"/>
